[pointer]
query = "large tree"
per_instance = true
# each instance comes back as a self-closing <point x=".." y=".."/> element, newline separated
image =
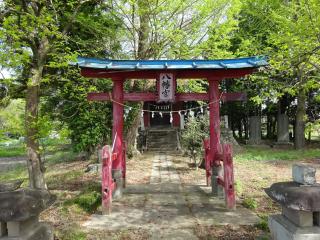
<point x="288" y="32"/>
<point x="172" y="29"/>
<point x="169" y="29"/>
<point x="33" y="39"/>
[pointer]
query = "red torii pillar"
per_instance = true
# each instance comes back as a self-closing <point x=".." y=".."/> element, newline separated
<point x="117" y="134"/>
<point x="214" y="108"/>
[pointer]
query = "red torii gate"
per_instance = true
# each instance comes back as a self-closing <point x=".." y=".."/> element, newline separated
<point x="166" y="72"/>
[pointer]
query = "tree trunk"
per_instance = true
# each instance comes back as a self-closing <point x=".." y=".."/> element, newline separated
<point x="142" y="53"/>
<point x="132" y="132"/>
<point x="34" y="163"/>
<point x="299" y="138"/>
<point x="144" y="29"/>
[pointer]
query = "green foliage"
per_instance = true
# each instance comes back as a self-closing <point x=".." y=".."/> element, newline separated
<point x="89" y="199"/>
<point x="175" y="29"/>
<point x="11" y="118"/>
<point x="238" y="187"/>
<point x="263" y="224"/>
<point x="88" y="123"/>
<point x="250" y="203"/>
<point x="196" y="130"/>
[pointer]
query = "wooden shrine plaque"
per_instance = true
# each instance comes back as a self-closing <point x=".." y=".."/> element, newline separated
<point x="166" y="87"/>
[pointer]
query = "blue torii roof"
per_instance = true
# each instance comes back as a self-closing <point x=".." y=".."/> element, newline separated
<point x="248" y="62"/>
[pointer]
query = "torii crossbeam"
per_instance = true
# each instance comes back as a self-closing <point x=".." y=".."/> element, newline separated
<point x="166" y="72"/>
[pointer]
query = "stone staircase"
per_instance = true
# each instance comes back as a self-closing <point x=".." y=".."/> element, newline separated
<point x="162" y="140"/>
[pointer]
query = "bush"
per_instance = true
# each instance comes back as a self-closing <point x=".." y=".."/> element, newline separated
<point x="250" y="203"/>
<point x="89" y="201"/>
<point x="197" y="129"/>
<point x="238" y="187"/>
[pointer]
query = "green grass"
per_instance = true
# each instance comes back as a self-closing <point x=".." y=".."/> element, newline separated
<point x="265" y="154"/>
<point x="19" y="172"/>
<point x="15" y="151"/>
<point x="61" y="156"/>
<point x="89" y="199"/>
<point x="73" y="232"/>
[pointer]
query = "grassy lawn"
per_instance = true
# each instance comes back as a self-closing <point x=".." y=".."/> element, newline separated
<point x="259" y="153"/>
<point x="78" y="193"/>
<point x="16" y="151"/>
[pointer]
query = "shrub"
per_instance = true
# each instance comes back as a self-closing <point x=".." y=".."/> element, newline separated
<point x="250" y="203"/>
<point x="89" y="201"/>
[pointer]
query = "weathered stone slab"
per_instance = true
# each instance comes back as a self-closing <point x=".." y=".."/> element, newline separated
<point x="282" y="128"/>
<point x="300" y="218"/>
<point x="10" y="185"/>
<point x="296" y="196"/>
<point x="304" y="174"/>
<point x="22" y="204"/>
<point x="282" y="229"/>
<point x="255" y="130"/>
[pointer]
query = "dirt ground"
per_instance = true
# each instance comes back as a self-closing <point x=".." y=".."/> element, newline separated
<point x="67" y="180"/>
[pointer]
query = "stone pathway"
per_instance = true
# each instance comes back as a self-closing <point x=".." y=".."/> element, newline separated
<point x="168" y="209"/>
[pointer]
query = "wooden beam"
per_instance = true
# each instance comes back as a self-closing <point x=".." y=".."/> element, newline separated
<point x="152" y="97"/>
<point x="217" y="74"/>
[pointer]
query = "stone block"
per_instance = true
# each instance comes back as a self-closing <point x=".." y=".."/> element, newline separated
<point x="13" y="229"/>
<point x="304" y="174"/>
<point x="3" y="229"/>
<point x="282" y="128"/>
<point x="300" y="218"/>
<point x="282" y="229"/>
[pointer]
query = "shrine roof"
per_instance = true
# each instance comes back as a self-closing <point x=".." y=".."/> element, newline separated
<point x="237" y="63"/>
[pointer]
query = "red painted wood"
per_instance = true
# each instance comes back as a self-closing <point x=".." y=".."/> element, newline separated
<point x="134" y="97"/>
<point x="230" y="196"/>
<point x="214" y="109"/>
<point x="117" y="128"/>
<point x="180" y="97"/>
<point x="146" y="116"/>
<point x="207" y="160"/>
<point x="218" y="74"/>
<point x="107" y="182"/>
<point x="192" y="97"/>
<point x="234" y="96"/>
<point x="220" y="181"/>
<point x="176" y="117"/>
<point x="124" y="164"/>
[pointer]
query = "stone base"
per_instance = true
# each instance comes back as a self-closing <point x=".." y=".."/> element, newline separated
<point x="39" y="232"/>
<point x="282" y="229"/>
